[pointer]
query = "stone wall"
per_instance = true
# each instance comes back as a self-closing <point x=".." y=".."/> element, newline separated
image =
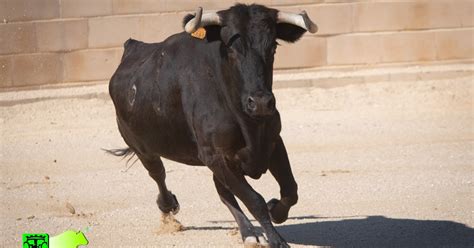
<point x="69" y="41"/>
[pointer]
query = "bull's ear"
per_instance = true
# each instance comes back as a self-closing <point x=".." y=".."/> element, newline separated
<point x="289" y="32"/>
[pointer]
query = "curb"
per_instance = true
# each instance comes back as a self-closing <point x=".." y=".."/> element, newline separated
<point x="282" y="79"/>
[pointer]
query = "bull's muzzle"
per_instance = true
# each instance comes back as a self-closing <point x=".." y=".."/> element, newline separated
<point x="260" y="105"/>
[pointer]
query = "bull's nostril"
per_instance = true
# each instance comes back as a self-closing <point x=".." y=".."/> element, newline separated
<point x="251" y="103"/>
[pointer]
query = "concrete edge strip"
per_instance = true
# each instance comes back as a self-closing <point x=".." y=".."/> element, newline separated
<point x="373" y="72"/>
<point x="324" y="79"/>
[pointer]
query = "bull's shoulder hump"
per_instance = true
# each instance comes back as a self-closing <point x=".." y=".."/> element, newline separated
<point x="132" y="45"/>
<point x="183" y="40"/>
<point x="138" y="50"/>
<point x="130" y="42"/>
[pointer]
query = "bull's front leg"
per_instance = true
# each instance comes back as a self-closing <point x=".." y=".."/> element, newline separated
<point x="281" y="170"/>
<point x="254" y="157"/>
<point x="230" y="177"/>
<point x="249" y="157"/>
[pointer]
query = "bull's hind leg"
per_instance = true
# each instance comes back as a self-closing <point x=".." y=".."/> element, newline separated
<point x="281" y="170"/>
<point x="249" y="235"/>
<point x="166" y="201"/>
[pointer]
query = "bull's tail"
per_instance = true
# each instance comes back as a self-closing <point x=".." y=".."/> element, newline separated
<point x="124" y="153"/>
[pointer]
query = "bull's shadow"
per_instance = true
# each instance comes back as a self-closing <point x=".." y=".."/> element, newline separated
<point x="378" y="231"/>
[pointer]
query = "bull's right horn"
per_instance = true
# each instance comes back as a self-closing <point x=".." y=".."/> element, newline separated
<point x="202" y="20"/>
<point x="302" y="20"/>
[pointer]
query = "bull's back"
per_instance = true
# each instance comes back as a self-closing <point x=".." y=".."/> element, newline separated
<point x="130" y="75"/>
<point x="146" y="97"/>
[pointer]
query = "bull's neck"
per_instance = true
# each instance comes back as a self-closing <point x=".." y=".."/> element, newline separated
<point x="228" y="81"/>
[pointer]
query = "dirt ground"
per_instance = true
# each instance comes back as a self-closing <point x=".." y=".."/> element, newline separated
<point x="386" y="164"/>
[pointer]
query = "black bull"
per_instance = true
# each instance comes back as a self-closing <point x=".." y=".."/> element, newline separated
<point x="208" y="101"/>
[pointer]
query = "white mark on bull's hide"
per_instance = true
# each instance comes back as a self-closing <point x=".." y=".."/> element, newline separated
<point x="156" y="107"/>
<point x="131" y="94"/>
<point x="156" y="103"/>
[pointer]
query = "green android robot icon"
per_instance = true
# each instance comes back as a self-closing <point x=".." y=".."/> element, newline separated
<point x="68" y="239"/>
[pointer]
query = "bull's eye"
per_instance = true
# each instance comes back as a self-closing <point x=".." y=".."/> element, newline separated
<point x="234" y="38"/>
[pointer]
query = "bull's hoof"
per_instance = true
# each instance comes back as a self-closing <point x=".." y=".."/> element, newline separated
<point x="254" y="242"/>
<point x="278" y="211"/>
<point x="175" y="209"/>
<point x="251" y="242"/>
<point x="171" y="205"/>
<point x="279" y="245"/>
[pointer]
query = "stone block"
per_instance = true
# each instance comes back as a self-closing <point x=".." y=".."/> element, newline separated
<point x="185" y="5"/>
<point x="5" y="71"/>
<point x="455" y="44"/>
<point x="307" y="52"/>
<point x="153" y="29"/>
<point x="354" y="49"/>
<point x="113" y="31"/>
<point x="36" y="69"/>
<point x="408" y="46"/>
<point x="383" y="16"/>
<point x="150" y="6"/>
<point x="378" y="16"/>
<point x="61" y="35"/>
<point x="27" y="10"/>
<point x="436" y="14"/>
<point x="330" y="18"/>
<point x="91" y="65"/>
<point x="17" y="38"/>
<point x="343" y="1"/>
<point x="85" y="8"/>
<point x="291" y="2"/>
<point x="467" y="13"/>
<point x="138" y="6"/>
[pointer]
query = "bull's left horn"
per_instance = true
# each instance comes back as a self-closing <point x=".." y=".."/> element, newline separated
<point x="202" y="20"/>
<point x="301" y="20"/>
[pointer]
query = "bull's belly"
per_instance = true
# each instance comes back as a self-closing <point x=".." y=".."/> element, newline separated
<point x="152" y="140"/>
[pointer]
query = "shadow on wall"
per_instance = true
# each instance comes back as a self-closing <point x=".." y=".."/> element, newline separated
<point x="379" y="231"/>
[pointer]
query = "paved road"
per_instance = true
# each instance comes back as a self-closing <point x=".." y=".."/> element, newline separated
<point x="378" y="165"/>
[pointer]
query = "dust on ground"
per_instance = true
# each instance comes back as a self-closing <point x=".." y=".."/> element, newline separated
<point x="169" y="224"/>
<point x="386" y="164"/>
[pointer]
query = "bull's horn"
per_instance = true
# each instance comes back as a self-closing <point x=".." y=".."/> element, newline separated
<point x="202" y="20"/>
<point x="301" y="20"/>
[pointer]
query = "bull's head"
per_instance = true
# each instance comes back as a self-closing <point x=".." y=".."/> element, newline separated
<point x="248" y="35"/>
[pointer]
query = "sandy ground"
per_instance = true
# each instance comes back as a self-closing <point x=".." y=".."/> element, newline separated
<point x="387" y="164"/>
